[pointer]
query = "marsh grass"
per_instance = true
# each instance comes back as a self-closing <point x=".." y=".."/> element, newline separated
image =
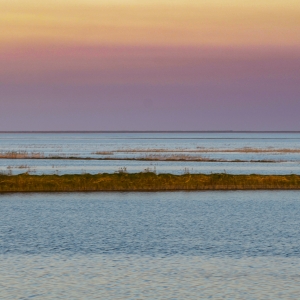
<point x="185" y="157"/>
<point x="145" y="181"/>
<point x="212" y="150"/>
<point x="122" y="170"/>
<point x="172" y="157"/>
<point x="150" y="157"/>
<point x="21" y="154"/>
<point x="23" y="167"/>
<point x="103" y="152"/>
<point x="150" y="170"/>
<point x="153" y="155"/>
<point x="150" y="152"/>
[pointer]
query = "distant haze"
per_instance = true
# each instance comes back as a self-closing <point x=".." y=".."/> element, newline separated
<point x="149" y="65"/>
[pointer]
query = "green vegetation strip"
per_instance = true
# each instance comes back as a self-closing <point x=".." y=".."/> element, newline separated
<point x="145" y="182"/>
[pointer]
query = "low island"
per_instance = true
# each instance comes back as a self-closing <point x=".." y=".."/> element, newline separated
<point x="145" y="181"/>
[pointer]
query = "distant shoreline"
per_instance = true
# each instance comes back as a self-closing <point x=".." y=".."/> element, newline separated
<point x="149" y="181"/>
<point x="151" y="131"/>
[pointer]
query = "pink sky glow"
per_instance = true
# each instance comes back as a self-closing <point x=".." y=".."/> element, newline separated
<point x="158" y="66"/>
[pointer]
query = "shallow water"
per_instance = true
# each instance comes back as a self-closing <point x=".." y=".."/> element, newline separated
<point x="48" y="166"/>
<point x="128" y="145"/>
<point x="131" y="277"/>
<point x="180" y="245"/>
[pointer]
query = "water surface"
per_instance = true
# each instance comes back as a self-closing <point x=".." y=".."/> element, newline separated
<point x="222" y="148"/>
<point x="180" y="245"/>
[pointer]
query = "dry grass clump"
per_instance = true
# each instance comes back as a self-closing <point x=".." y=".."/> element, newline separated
<point x="145" y="181"/>
<point x="23" y="167"/>
<point x="103" y="153"/>
<point x="21" y="154"/>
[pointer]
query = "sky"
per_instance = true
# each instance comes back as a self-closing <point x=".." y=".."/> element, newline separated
<point x="149" y="65"/>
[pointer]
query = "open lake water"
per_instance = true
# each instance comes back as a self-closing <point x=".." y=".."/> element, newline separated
<point x="170" y="245"/>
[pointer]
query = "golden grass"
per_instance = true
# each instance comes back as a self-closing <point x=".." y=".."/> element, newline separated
<point x="21" y="155"/>
<point x="146" y="181"/>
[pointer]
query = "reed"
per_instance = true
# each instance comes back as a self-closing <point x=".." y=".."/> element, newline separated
<point x="103" y="153"/>
<point x="21" y="155"/>
<point x="145" y="181"/>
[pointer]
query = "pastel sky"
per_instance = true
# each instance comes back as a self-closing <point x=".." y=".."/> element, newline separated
<point x="149" y="65"/>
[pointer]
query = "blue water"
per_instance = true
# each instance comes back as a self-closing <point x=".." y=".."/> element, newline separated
<point x="181" y="245"/>
<point x="235" y="224"/>
<point x="162" y="145"/>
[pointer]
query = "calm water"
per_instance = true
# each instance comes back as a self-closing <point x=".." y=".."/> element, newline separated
<point x="181" y="245"/>
<point x="217" y="146"/>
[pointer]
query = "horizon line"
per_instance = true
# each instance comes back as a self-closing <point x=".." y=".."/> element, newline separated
<point x="150" y="131"/>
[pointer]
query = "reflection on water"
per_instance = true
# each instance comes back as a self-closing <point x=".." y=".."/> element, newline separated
<point x="146" y="277"/>
<point x="180" y="245"/>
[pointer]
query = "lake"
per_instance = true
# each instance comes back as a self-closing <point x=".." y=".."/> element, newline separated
<point x="176" y="153"/>
<point x="172" y="245"/>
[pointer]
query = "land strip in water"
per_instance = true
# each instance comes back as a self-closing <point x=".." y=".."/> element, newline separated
<point x="188" y="155"/>
<point x="148" y="157"/>
<point x="205" y="150"/>
<point x="146" y="181"/>
<point x="187" y="159"/>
